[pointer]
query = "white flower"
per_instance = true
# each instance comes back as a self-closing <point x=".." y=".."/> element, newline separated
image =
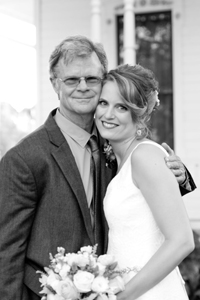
<point x="61" y="252"/>
<point x="64" y="270"/>
<point x="83" y="281"/>
<point x="101" y="267"/>
<point x="106" y="259"/>
<point x="82" y="260"/>
<point x="87" y="249"/>
<point x="43" y="278"/>
<point x="100" y="285"/>
<point x="116" y="284"/>
<point x="67" y="290"/>
<point x="72" y="258"/>
<point x="54" y="297"/>
<point x="58" y="256"/>
<point x="92" y="261"/>
<point x="52" y="279"/>
<point x="58" y="267"/>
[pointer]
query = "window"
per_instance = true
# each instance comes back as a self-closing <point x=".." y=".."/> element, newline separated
<point x="154" y="51"/>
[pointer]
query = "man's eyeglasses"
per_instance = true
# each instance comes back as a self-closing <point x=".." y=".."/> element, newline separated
<point x="91" y="81"/>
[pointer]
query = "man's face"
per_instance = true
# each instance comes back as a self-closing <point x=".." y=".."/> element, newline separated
<point x="80" y="100"/>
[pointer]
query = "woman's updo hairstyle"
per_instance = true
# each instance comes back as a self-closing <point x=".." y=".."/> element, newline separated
<point x="139" y="90"/>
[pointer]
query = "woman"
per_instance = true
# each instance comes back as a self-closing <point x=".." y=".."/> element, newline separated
<point x="149" y="230"/>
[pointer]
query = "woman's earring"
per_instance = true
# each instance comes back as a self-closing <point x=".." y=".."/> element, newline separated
<point x="139" y="132"/>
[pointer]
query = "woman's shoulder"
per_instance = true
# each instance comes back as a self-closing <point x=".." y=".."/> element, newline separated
<point x="147" y="153"/>
<point x="147" y="161"/>
<point x="148" y="146"/>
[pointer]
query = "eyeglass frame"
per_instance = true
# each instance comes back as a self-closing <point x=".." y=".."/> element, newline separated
<point x="85" y="78"/>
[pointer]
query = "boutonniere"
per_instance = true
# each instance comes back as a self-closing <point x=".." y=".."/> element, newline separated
<point x="109" y="154"/>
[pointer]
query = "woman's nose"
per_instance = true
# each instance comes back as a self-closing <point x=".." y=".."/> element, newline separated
<point x="109" y="114"/>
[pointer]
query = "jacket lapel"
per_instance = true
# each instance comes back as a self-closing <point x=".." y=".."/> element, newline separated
<point x="65" y="159"/>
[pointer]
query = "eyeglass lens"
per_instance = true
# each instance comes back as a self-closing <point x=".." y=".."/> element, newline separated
<point x="90" y="81"/>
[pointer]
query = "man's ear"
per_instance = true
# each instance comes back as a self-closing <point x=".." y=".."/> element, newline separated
<point x="54" y="83"/>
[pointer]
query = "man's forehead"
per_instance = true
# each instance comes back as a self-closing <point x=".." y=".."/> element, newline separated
<point x="91" y="62"/>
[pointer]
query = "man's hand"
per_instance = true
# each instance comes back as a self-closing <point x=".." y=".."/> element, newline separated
<point x="175" y="164"/>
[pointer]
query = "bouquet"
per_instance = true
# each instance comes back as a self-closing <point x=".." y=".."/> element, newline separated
<point x="81" y="275"/>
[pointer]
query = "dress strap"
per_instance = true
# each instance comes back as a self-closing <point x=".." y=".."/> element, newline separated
<point x="144" y="142"/>
<point x="151" y="143"/>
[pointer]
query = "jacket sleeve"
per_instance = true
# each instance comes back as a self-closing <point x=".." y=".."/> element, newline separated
<point x="189" y="184"/>
<point x="17" y="208"/>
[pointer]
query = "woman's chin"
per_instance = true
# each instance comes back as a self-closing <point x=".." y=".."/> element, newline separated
<point x="105" y="135"/>
<point x="104" y="132"/>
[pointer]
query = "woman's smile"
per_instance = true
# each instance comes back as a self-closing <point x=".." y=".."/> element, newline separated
<point x="109" y="125"/>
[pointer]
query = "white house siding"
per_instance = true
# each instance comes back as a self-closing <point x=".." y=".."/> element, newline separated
<point x="190" y="106"/>
<point x="57" y="19"/>
<point x="110" y="9"/>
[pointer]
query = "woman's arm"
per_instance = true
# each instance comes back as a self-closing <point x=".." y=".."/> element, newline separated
<point x="161" y="191"/>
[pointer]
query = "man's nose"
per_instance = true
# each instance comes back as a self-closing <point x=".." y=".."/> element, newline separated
<point x="82" y="86"/>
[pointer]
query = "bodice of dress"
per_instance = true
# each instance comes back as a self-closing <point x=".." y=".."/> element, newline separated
<point x="133" y="233"/>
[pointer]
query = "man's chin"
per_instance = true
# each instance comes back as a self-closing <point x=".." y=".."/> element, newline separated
<point x="84" y="109"/>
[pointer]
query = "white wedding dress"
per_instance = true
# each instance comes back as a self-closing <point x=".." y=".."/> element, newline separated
<point x="134" y="235"/>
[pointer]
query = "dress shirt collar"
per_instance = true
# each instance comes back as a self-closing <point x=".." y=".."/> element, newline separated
<point x="72" y="130"/>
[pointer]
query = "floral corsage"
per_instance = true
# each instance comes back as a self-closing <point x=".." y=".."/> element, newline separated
<point x="110" y="156"/>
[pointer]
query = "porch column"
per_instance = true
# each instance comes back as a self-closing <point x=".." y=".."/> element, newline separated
<point x="96" y="20"/>
<point x="129" y="32"/>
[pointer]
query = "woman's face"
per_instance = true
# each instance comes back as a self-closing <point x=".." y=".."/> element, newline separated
<point x="113" y="118"/>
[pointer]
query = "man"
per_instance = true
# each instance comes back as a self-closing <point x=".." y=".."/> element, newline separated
<point x="46" y="187"/>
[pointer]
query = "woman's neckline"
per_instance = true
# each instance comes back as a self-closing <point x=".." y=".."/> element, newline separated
<point x="129" y="150"/>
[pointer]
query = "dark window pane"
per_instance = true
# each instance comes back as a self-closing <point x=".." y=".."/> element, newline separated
<point x="154" y="51"/>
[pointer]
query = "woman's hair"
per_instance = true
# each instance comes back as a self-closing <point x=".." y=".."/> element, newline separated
<point x="138" y="89"/>
<point x="76" y="46"/>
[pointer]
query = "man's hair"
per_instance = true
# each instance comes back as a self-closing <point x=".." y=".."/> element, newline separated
<point x="73" y="47"/>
